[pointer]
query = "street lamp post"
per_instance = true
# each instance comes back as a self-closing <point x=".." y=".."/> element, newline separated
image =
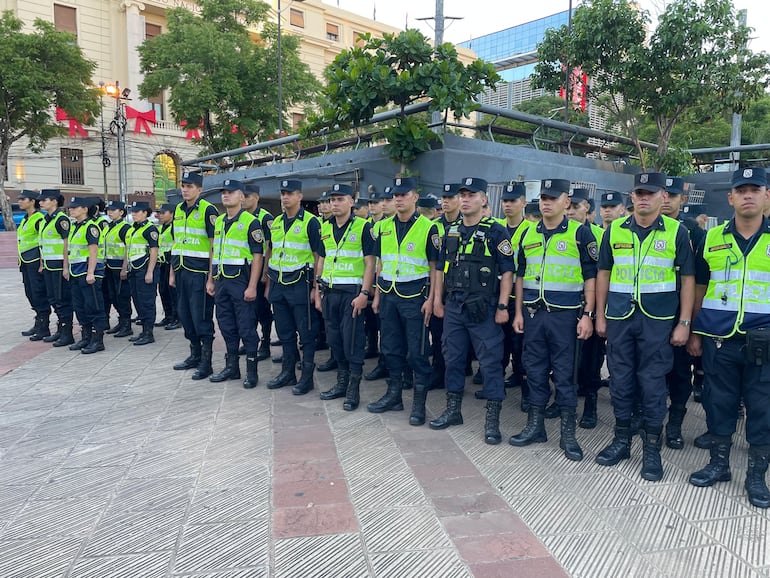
<point x="106" y="162"/>
<point x="118" y="128"/>
<point x="280" y="75"/>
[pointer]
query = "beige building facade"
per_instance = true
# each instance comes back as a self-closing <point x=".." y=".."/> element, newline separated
<point x="109" y="32"/>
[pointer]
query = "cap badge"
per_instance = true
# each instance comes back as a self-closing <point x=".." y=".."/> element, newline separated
<point x="748" y="173"/>
<point x="610" y="196"/>
<point x="548" y="184"/>
<point x="644" y="178"/>
<point x="398" y="182"/>
<point x="469" y="181"/>
<point x="669" y="182"/>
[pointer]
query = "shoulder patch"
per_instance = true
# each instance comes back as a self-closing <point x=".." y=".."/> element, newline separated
<point x="505" y="248"/>
<point x="65" y="224"/>
<point x="213" y="219"/>
<point x="93" y="231"/>
<point x="436" y="240"/>
<point x="270" y="224"/>
<point x="154" y="235"/>
<point x="593" y="250"/>
<point x="258" y="236"/>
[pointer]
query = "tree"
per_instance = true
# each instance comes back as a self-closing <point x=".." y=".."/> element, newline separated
<point x="399" y="70"/>
<point x="41" y="70"/>
<point x="697" y="57"/>
<point x="219" y="77"/>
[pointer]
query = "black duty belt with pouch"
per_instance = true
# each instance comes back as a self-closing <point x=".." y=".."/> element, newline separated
<point x="758" y="346"/>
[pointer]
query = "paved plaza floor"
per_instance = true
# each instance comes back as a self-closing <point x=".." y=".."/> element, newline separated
<point x="115" y="465"/>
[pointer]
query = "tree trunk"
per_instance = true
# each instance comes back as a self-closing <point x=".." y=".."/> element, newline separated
<point x="5" y="204"/>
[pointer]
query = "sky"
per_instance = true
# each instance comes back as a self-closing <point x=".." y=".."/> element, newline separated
<point x="481" y="17"/>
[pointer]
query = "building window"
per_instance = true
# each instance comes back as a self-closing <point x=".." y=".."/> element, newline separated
<point x="72" y="167"/>
<point x="165" y="171"/>
<point x="332" y="32"/>
<point x="358" y="40"/>
<point x="65" y="19"/>
<point x="151" y="31"/>
<point x="297" y="119"/>
<point x="156" y="104"/>
<point x="297" y="18"/>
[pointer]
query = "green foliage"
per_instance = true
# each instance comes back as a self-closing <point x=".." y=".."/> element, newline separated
<point x="217" y="74"/>
<point x="399" y="70"/>
<point x="676" y="161"/>
<point x="41" y="70"/>
<point x="697" y="58"/>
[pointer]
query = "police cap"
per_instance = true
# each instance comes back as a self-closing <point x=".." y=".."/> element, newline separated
<point x="554" y="187"/>
<point x="650" y="182"/>
<point x="513" y="191"/>
<point x="192" y="178"/>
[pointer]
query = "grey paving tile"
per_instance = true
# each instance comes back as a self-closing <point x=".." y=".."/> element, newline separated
<point x="10" y="435"/>
<point x="394" y="529"/>
<point x="100" y="455"/>
<point x="154" y="494"/>
<point x="230" y="504"/>
<point x="71" y="482"/>
<point x="35" y="401"/>
<point x="52" y="518"/>
<point x="525" y="478"/>
<point x="151" y="565"/>
<point x="13" y="498"/>
<point x="606" y="489"/>
<point x="179" y="440"/>
<point x="254" y="446"/>
<point x="367" y="463"/>
<point x="123" y="532"/>
<point x="187" y="420"/>
<point x="563" y="513"/>
<point x="66" y="425"/>
<point x="26" y="418"/>
<point x="218" y="473"/>
<point x="222" y="546"/>
<point x="43" y="558"/>
<point x="253" y="572"/>
<point x="746" y="537"/>
<point x="23" y="472"/>
<point x="49" y="447"/>
<point x="372" y="493"/>
<point x="166" y="465"/>
<point x="445" y="563"/>
<point x="339" y="555"/>
<point x="131" y="431"/>
<point x="705" y="561"/>
<point x="697" y="504"/>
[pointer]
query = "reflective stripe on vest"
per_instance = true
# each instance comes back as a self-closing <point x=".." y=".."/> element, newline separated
<point x="643" y="273"/>
<point x="553" y="273"/>
<point x="232" y="248"/>
<point x="138" y="247"/>
<point x="405" y="261"/>
<point x="27" y="235"/>
<point x="738" y="294"/>
<point x="190" y="237"/>
<point x="114" y="246"/>
<point x="51" y="242"/>
<point x="344" y="261"/>
<point x="291" y="249"/>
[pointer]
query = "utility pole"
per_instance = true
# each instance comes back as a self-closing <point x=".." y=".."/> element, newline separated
<point x="735" y="130"/>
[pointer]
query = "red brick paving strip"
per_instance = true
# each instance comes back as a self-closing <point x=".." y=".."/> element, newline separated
<point x="310" y="494"/>
<point x="21" y="354"/>
<point x="490" y="537"/>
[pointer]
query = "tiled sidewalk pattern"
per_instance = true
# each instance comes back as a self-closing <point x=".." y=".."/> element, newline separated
<point x="115" y="465"/>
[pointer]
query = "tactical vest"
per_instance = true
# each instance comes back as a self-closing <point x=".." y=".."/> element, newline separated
<point x="114" y="246"/>
<point x="406" y="261"/>
<point x="643" y="274"/>
<point x="28" y="238"/>
<point x="138" y="247"/>
<point x="291" y="249"/>
<point x="190" y="236"/>
<point x="553" y="274"/>
<point x="165" y="242"/>
<point x="738" y="295"/>
<point x="598" y="233"/>
<point x="344" y="261"/>
<point x="52" y="244"/>
<point x="231" y="248"/>
<point x="516" y="237"/>
<point x="78" y="249"/>
<point x="470" y="267"/>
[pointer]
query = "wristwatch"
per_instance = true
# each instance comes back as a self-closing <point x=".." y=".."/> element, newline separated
<point x="365" y="292"/>
<point x="502" y="306"/>
<point x="589" y="314"/>
<point x="685" y="322"/>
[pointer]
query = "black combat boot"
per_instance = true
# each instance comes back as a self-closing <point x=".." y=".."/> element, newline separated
<point x="96" y="344"/>
<point x="652" y="467"/>
<point x="391" y="401"/>
<point x="192" y="360"/>
<point x="124" y="329"/>
<point x="54" y="336"/>
<point x="418" y="405"/>
<point x="756" y="487"/>
<point x="534" y="431"/>
<point x="552" y="411"/>
<point x="620" y="447"/>
<point x="718" y="468"/>
<point x="407" y="378"/>
<point x="704" y="441"/>
<point x="340" y="388"/>
<point x="636" y="418"/>
<point x="287" y="375"/>
<point x="252" y="377"/>
<point x="264" y="348"/>
<point x="115" y="329"/>
<point x="86" y="334"/>
<point x="452" y="414"/>
<point x="146" y="336"/>
<point x="328" y="365"/>
<point x="305" y="384"/>
<point x="65" y="335"/>
<point x="379" y="372"/>
<point x="204" y="367"/>
<point x="568" y="442"/>
<point x="32" y="330"/>
<point x="588" y="419"/>
<point x="352" y="396"/>
<point x="492" y="435"/>
<point x="232" y="369"/>
<point x="674" y="427"/>
<point x="43" y="329"/>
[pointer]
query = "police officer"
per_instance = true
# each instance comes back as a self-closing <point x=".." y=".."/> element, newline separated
<point x="407" y="245"/>
<point x="426" y="206"/>
<point x="191" y="269"/>
<point x="325" y="211"/>
<point x="168" y="296"/>
<point x="474" y="251"/>
<point x="54" y="235"/>
<point x="361" y="208"/>
<point x="325" y="206"/>
<point x="611" y="208"/>
<point x="532" y="212"/>
<point x="679" y="379"/>
<point x="732" y="319"/>
<point x="591" y="356"/>
<point x="28" y="239"/>
<point x="637" y="304"/>
<point x="115" y="272"/>
<point x="295" y="239"/>
<point x="85" y="260"/>
<point x="375" y="207"/>
<point x="142" y="244"/>
<point x="237" y="266"/>
<point x="346" y="275"/>
<point x="556" y="274"/>
<point x="251" y="193"/>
